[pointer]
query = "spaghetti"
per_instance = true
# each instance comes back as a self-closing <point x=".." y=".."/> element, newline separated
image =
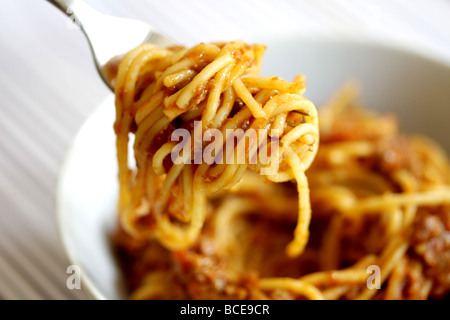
<point x="373" y="197"/>
<point x="214" y="86"/>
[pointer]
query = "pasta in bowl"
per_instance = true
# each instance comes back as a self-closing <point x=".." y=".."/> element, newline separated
<point x="219" y="230"/>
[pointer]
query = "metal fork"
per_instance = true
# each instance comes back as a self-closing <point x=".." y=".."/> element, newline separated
<point x="109" y="37"/>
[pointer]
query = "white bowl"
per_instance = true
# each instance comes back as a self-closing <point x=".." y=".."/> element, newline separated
<point x="414" y="86"/>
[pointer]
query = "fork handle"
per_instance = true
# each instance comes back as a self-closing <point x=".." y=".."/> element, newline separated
<point x="82" y="14"/>
<point x="64" y="5"/>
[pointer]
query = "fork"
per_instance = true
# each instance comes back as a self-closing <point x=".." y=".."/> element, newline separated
<point x="110" y="37"/>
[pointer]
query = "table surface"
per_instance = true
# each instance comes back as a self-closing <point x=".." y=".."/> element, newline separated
<point x="49" y="86"/>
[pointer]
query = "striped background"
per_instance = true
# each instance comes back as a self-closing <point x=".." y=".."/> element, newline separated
<point x="49" y="86"/>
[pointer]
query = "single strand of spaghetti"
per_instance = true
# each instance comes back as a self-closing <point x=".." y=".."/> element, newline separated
<point x="177" y="54"/>
<point x="258" y="52"/>
<point x="304" y="147"/>
<point x="281" y="176"/>
<point x="237" y="121"/>
<point x="199" y="197"/>
<point x="342" y="152"/>
<point x="293" y="285"/>
<point x="334" y="197"/>
<point x="127" y="217"/>
<point x="409" y="184"/>
<point x="377" y="183"/>
<point x="299" y="132"/>
<point x="202" y="53"/>
<point x="334" y="293"/>
<point x="175" y="206"/>
<point x="138" y="186"/>
<point x="152" y="67"/>
<point x="364" y="262"/>
<point x="264" y="95"/>
<point x="394" y="221"/>
<point x="306" y="135"/>
<point x="225" y="108"/>
<point x="243" y="93"/>
<point x="160" y="155"/>
<point x="164" y="192"/>
<point x="122" y="159"/>
<point x="193" y="114"/>
<point x="272" y="83"/>
<point x="183" y="65"/>
<point x="409" y="215"/>
<point x="172" y="113"/>
<point x="301" y="232"/>
<point x="278" y="125"/>
<point x="286" y="102"/>
<point x="150" y="183"/>
<point x="300" y="79"/>
<point x="178" y="77"/>
<point x="241" y="67"/>
<point x="250" y="64"/>
<point x="170" y="101"/>
<point x="188" y="92"/>
<point x="335" y="277"/>
<point x="375" y="203"/>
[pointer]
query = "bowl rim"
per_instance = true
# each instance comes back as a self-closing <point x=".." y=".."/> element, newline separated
<point x="90" y="287"/>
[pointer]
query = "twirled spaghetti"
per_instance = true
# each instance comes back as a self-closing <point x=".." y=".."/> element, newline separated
<point x="215" y="86"/>
<point x="196" y="230"/>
